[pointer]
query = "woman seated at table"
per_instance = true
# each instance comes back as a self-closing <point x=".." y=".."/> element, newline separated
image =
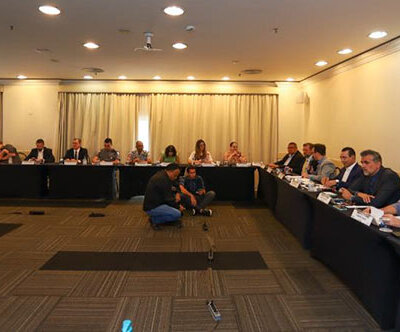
<point x="234" y="156"/>
<point x="169" y="155"/>
<point x="200" y="155"/>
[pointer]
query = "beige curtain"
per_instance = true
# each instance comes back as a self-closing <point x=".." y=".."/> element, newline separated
<point x="1" y="116"/>
<point x="181" y="119"/>
<point x="95" y="116"/>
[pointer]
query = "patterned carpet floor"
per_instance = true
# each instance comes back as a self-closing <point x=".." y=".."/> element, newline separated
<point x="295" y="293"/>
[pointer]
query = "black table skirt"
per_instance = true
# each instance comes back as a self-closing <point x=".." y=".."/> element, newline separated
<point x="229" y="183"/>
<point x="362" y="257"/>
<point x="267" y="188"/>
<point x="293" y="209"/>
<point x="367" y="260"/>
<point x="88" y="182"/>
<point x="23" y="181"/>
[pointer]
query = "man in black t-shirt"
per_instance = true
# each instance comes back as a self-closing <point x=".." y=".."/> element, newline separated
<point x="162" y="199"/>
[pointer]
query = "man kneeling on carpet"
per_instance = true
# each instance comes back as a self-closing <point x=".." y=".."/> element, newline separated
<point x="194" y="195"/>
<point x="162" y="199"/>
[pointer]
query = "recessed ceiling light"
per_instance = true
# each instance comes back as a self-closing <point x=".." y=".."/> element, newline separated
<point x="377" y="34"/>
<point x="345" y="51"/>
<point x="50" y="10"/>
<point x="87" y="77"/>
<point x="122" y="77"/>
<point x="91" y="45"/>
<point x="225" y="78"/>
<point x="157" y="77"/>
<point x="174" y="11"/>
<point x="321" y="63"/>
<point x="22" y="77"/>
<point x="191" y="78"/>
<point x="290" y="79"/>
<point x="179" y="46"/>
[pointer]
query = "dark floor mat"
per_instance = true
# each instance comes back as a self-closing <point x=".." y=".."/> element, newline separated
<point x="153" y="261"/>
<point x="6" y="228"/>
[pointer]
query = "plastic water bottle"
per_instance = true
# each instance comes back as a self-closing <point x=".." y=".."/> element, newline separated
<point x="10" y="160"/>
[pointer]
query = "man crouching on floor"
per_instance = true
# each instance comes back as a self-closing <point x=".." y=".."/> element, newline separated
<point x="162" y="199"/>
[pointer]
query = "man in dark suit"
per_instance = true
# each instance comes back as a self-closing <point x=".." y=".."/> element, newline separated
<point x="350" y="172"/>
<point x="294" y="160"/>
<point x="378" y="186"/>
<point x="76" y="153"/>
<point x="41" y="154"/>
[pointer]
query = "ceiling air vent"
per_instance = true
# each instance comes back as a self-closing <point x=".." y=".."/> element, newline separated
<point x="93" y="70"/>
<point x="251" y="71"/>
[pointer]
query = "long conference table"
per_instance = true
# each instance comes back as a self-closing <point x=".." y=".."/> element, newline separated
<point x="364" y="258"/>
<point x="102" y="182"/>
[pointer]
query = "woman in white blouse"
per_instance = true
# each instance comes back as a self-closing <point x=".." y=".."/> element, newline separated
<point x="200" y="155"/>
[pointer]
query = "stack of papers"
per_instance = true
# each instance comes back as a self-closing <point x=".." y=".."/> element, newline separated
<point x="243" y="165"/>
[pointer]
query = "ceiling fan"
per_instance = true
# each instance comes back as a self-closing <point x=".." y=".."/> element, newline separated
<point x="148" y="47"/>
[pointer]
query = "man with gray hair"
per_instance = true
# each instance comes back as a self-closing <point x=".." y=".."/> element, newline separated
<point x="378" y="186"/>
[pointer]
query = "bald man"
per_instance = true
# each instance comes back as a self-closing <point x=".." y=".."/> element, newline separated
<point x="139" y="155"/>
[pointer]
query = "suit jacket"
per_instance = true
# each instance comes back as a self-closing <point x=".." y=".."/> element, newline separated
<point x="385" y="187"/>
<point x="355" y="173"/>
<point x="325" y="168"/>
<point x="47" y="155"/>
<point x="296" y="163"/>
<point x="83" y="153"/>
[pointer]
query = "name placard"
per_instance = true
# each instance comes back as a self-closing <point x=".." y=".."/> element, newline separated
<point x="294" y="183"/>
<point x="281" y="175"/>
<point x="28" y="162"/>
<point x="325" y="198"/>
<point x="269" y="170"/>
<point x="106" y="163"/>
<point x="362" y="218"/>
<point x="70" y="163"/>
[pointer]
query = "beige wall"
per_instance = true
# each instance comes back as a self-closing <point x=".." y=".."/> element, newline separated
<point x="29" y="113"/>
<point x="291" y="116"/>
<point x="359" y="107"/>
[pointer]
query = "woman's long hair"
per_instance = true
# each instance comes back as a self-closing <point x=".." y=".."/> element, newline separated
<point x="198" y="154"/>
<point x="168" y="149"/>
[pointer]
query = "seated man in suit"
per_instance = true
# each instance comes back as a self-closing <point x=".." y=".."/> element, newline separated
<point x="41" y="154"/>
<point x="350" y="172"/>
<point x="194" y="195"/>
<point x="9" y="154"/>
<point x="309" y="164"/>
<point x="139" y="155"/>
<point x="76" y="153"/>
<point x="325" y="168"/>
<point x="107" y="153"/>
<point x="294" y="160"/>
<point x="162" y="199"/>
<point x="378" y="186"/>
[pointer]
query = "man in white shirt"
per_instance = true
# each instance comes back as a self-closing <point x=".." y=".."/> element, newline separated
<point x="350" y="172"/>
<point x="41" y="154"/>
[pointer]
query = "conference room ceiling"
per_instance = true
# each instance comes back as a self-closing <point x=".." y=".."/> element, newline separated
<point x="283" y="38"/>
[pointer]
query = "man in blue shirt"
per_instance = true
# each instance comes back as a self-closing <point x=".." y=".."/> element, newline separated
<point x="194" y="195"/>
